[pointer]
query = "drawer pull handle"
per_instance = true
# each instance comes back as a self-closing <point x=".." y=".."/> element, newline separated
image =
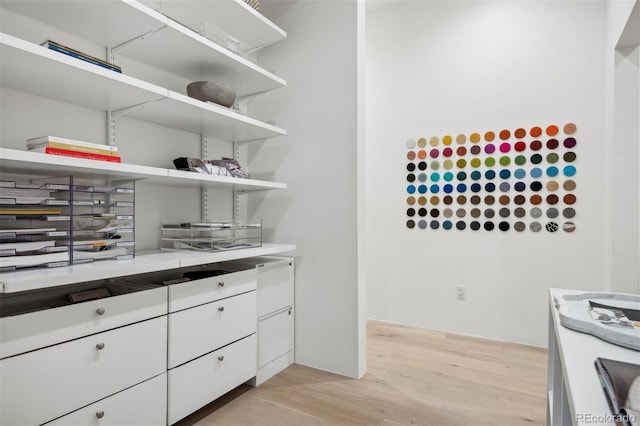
<point x="100" y="311"/>
<point x="100" y="414"/>
<point x="221" y="284"/>
<point x="221" y="358"/>
<point x="100" y="346"/>
<point x="221" y="308"/>
<point x="289" y="311"/>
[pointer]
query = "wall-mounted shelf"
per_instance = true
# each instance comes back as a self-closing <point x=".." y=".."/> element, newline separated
<point x="234" y="17"/>
<point x="31" y="68"/>
<point x="13" y="160"/>
<point x="159" y="41"/>
<point x="12" y="282"/>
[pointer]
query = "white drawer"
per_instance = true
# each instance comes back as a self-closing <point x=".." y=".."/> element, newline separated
<point x="142" y="405"/>
<point x="197" y="292"/>
<point x="275" y="336"/>
<point x="27" y="332"/>
<point x="275" y="288"/>
<point x="196" y="331"/>
<point x="45" y="384"/>
<point x="196" y="383"/>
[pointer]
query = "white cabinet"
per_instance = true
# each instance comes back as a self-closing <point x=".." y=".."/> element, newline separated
<point x="276" y="333"/>
<point x="83" y="366"/>
<point x="212" y="342"/>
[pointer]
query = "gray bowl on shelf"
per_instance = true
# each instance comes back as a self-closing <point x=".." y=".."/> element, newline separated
<point x="211" y="91"/>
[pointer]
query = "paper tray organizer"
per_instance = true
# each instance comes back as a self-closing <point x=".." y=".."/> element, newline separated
<point x="58" y="221"/>
<point x="210" y="236"/>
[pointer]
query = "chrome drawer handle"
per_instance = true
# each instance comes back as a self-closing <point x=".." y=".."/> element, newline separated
<point x="100" y="346"/>
<point x="221" y="358"/>
<point x="221" y="284"/>
<point x="100" y="414"/>
<point x="221" y="308"/>
<point x="100" y="311"/>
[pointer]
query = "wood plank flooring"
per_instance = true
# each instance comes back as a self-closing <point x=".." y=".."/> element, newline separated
<point x="414" y="376"/>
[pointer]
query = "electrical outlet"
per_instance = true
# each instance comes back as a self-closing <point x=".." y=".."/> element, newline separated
<point x="460" y="292"/>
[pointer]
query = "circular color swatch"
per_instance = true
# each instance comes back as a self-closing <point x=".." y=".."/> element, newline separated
<point x="552" y="144"/>
<point x="411" y="155"/>
<point x="422" y="189"/>
<point x="505" y="186"/>
<point x="475" y="200"/>
<point x="489" y="200"/>
<point x="411" y="224"/>
<point x="569" y="157"/>
<point x="422" y="224"/>
<point x="475" y="149"/>
<point x="461" y="199"/>
<point x="568" y="227"/>
<point x="504" y="212"/>
<point x="536" y="199"/>
<point x="535" y="212"/>
<point x="552" y="130"/>
<point x="569" y="199"/>
<point x="476" y="175"/>
<point x="489" y="161"/>
<point x="461" y="187"/>
<point x="461" y="163"/>
<point x="552" y="213"/>
<point x="519" y="199"/>
<point x="489" y="148"/>
<point x="520" y="160"/>
<point x="448" y="188"/>
<point x="461" y="139"/>
<point x="476" y="187"/>
<point x="519" y="212"/>
<point x="505" y="134"/>
<point x="435" y="200"/>
<point x="569" y="171"/>
<point x="475" y="162"/>
<point x="447" y="164"/>
<point x="476" y="213"/>
<point x="447" y="224"/>
<point x="552" y="158"/>
<point x="461" y="175"/>
<point x="552" y="199"/>
<point x="505" y="174"/>
<point x="411" y="167"/>
<point x="422" y="154"/>
<point x="505" y="161"/>
<point x="422" y="200"/>
<point x="490" y="174"/>
<point x="447" y="212"/>
<point x="489" y="213"/>
<point x="520" y="133"/>
<point x="474" y="137"/>
<point x="411" y="189"/>
<point x="422" y="142"/>
<point x="535" y="226"/>
<point x="569" y="142"/>
<point x="569" y="212"/>
<point x="488" y="226"/>
<point x="411" y="143"/>
<point x="504" y="226"/>
<point x="461" y="213"/>
<point x="435" y="213"/>
<point x="504" y="200"/>
<point x="434" y="165"/>
<point x="569" y="185"/>
<point x="447" y="199"/>
<point x="505" y="147"/>
<point x="448" y="176"/>
<point x="461" y="151"/>
<point x="434" y="153"/>
<point x="551" y="226"/>
<point x="520" y="146"/>
<point x="552" y="171"/>
<point x="422" y="165"/>
<point x="435" y="177"/>
<point x="520" y="186"/>
<point x="447" y="152"/>
<point x="460" y="225"/>
<point x="433" y="188"/>
<point x="536" y="186"/>
<point x="519" y="226"/>
<point x="536" y="158"/>
<point x="490" y="187"/>
<point x="536" y="146"/>
<point x="411" y="177"/>
<point x="535" y="131"/>
<point x="411" y="212"/>
<point x="519" y="173"/>
<point x="569" y="128"/>
<point x="411" y="200"/>
<point x="434" y="141"/>
<point x="475" y="225"/>
<point x="434" y="224"/>
<point x="422" y="212"/>
<point x="489" y="136"/>
<point x="536" y="172"/>
<point x="446" y="140"/>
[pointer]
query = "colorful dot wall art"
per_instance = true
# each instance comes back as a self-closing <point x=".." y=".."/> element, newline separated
<point x="504" y="180"/>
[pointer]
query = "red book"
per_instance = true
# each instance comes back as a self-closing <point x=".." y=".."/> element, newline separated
<point x="79" y="154"/>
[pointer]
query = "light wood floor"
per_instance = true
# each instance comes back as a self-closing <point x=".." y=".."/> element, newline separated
<point x="414" y="376"/>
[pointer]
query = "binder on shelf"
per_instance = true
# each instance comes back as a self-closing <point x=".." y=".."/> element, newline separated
<point x="78" y="154"/>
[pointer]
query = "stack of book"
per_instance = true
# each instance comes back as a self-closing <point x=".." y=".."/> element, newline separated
<point x="80" y="55"/>
<point x="73" y="148"/>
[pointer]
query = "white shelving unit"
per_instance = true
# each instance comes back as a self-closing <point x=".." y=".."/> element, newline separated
<point x="240" y="21"/>
<point x="132" y="29"/>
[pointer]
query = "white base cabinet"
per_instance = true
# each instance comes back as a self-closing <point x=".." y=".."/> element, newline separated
<point x="141" y="405"/>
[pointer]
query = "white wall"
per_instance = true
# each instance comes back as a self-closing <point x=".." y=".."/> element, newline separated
<point x="623" y="65"/>
<point x="439" y="67"/>
<point x="318" y="161"/>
